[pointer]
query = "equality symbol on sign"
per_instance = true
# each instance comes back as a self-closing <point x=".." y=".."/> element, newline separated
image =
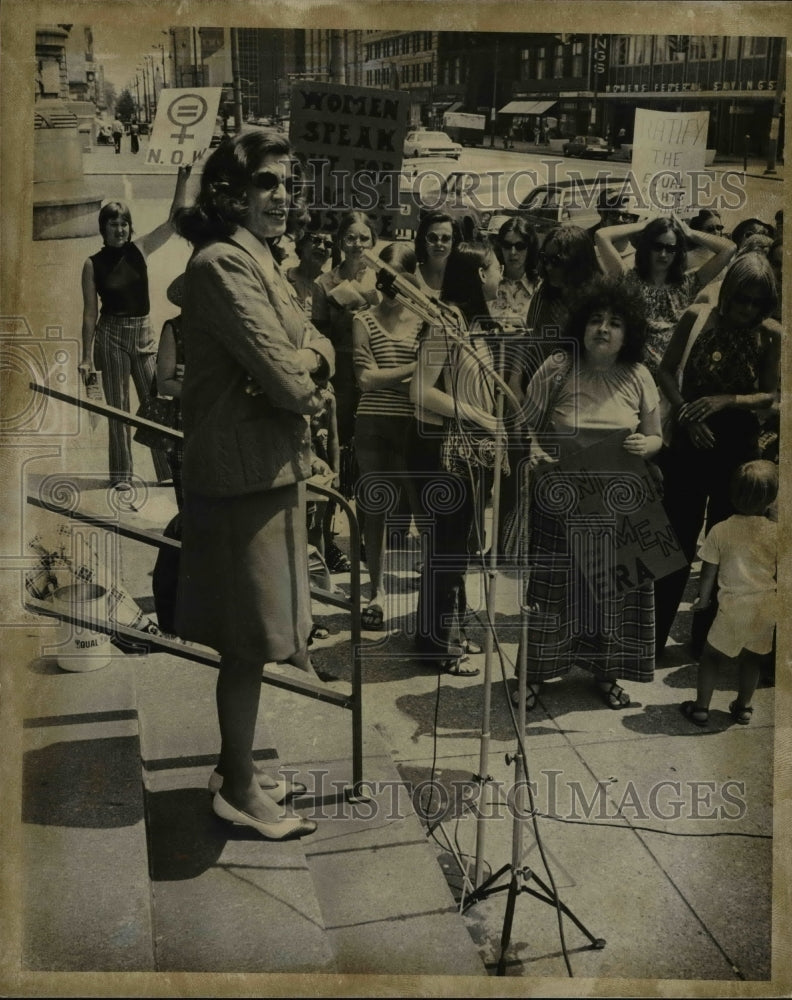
<point x="187" y="110"/>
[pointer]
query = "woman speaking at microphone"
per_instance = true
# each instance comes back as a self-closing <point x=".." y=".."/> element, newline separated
<point x="251" y="369"/>
<point x="451" y="447"/>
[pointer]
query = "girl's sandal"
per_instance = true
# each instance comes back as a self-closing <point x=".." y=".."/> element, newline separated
<point x="531" y="696"/>
<point x="740" y="713"/>
<point x="698" y="716"/>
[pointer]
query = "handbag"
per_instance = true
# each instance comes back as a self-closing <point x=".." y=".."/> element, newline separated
<point x="160" y="410"/>
<point x="467" y="445"/>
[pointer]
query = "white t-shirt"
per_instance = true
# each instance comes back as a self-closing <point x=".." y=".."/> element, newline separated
<point x="744" y="550"/>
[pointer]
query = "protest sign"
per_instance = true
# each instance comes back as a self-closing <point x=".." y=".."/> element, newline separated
<point x="619" y="535"/>
<point x="184" y="125"/>
<point x="350" y="141"/>
<point x="669" y="149"/>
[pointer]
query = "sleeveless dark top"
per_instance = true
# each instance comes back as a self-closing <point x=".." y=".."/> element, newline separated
<point x="121" y="278"/>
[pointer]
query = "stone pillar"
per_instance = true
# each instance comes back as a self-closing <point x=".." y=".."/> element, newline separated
<point x="63" y="205"/>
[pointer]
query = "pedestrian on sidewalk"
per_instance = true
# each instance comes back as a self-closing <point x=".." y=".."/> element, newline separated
<point x="739" y="553"/>
<point x="134" y="132"/>
<point x="117" y="339"/>
<point x="118" y="132"/>
<point x="252" y="364"/>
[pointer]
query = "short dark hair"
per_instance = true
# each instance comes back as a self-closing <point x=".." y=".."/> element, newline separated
<point x="643" y="249"/>
<point x="222" y="203"/>
<point x="519" y="227"/>
<point x="400" y="256"/>
<point x="741" y="229"/>
<point x="426" y="223"/>
<point x="623" y="299"/>
<point x="114" y="210"/>
<point x="754" y="486"/>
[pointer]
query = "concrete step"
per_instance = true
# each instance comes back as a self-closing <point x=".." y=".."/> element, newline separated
<point x="87" y="902"/>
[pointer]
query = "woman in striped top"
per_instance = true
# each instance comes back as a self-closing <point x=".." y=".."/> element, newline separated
<point x="385" y="341"/>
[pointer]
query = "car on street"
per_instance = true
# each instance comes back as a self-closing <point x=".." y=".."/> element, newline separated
<point x="592" y="147"/>
<point x="422" y="142"/>
<point x="571" y="202"/>
<point x="463" y="194"/>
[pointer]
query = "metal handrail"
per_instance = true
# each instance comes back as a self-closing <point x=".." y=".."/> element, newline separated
<point x="354" y="702"/>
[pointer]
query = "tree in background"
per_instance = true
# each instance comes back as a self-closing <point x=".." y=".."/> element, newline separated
<point x="125" y="107"/>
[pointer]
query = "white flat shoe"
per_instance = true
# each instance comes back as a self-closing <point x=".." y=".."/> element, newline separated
<point x="282" y="829"/>
<point x="280" y="791"/>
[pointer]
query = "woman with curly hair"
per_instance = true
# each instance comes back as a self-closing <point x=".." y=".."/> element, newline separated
<point x="720" y="370"/>
<point x="575" y="400"/>
<point x="250" y="381"/>
<point x="661" y="271"/>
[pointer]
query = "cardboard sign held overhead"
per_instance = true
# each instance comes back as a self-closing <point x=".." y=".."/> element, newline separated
<point x="351" y="143"/>
<point x="184" y="125"/>
<point x="669" y="150"/>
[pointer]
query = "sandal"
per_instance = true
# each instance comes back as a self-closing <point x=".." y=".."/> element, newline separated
<point x="698" y="716"/>
<point x="457" y="668"/>
<point x="336" y="561"/>
<point x="614" y="696"/>
<point x="470" y="646"/>
<point x="740" y="713"/>
<point x="318" y="632"/>
<point x="371" y="618"/>
<point x="531" y="696"/>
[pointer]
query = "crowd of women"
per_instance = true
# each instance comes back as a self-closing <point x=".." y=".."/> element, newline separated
<point x="675" y="353"/>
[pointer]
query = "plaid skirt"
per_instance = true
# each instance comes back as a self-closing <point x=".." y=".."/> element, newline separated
<point x="569" y="625"/>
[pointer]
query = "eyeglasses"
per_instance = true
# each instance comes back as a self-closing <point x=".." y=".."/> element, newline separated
<point x="351" y="239"/>
<point x="438" y="238"/>
<point x="321" y="243"/>
<point x="267" y="180"/>
<point x="519" y="246"/>
<point x="664" y="247"/>
<point x="554" y="259"/>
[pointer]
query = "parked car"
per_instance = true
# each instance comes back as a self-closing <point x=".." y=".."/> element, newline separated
<point x="571" y="202"/>
<point x="587" y="146"/>
<point x="422" y="142"/>
<point x="465" y="195"/>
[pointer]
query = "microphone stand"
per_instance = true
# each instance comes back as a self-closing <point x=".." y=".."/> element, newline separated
<point x="393" y="284"/>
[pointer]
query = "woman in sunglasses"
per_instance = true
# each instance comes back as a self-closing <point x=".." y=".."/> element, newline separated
<point x="660" y="271"/>
<point x="313" y="252"/>
<point x="518" y="249"/>
<point x="251" y="369"/>
<point x="337" y="296"/>
<point x="436" y="239"/>
<point x="721" y="367"/>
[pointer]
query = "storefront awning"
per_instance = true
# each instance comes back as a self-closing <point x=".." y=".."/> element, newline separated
<point x="454" y="107"/>
<point x="526" y="107"/>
